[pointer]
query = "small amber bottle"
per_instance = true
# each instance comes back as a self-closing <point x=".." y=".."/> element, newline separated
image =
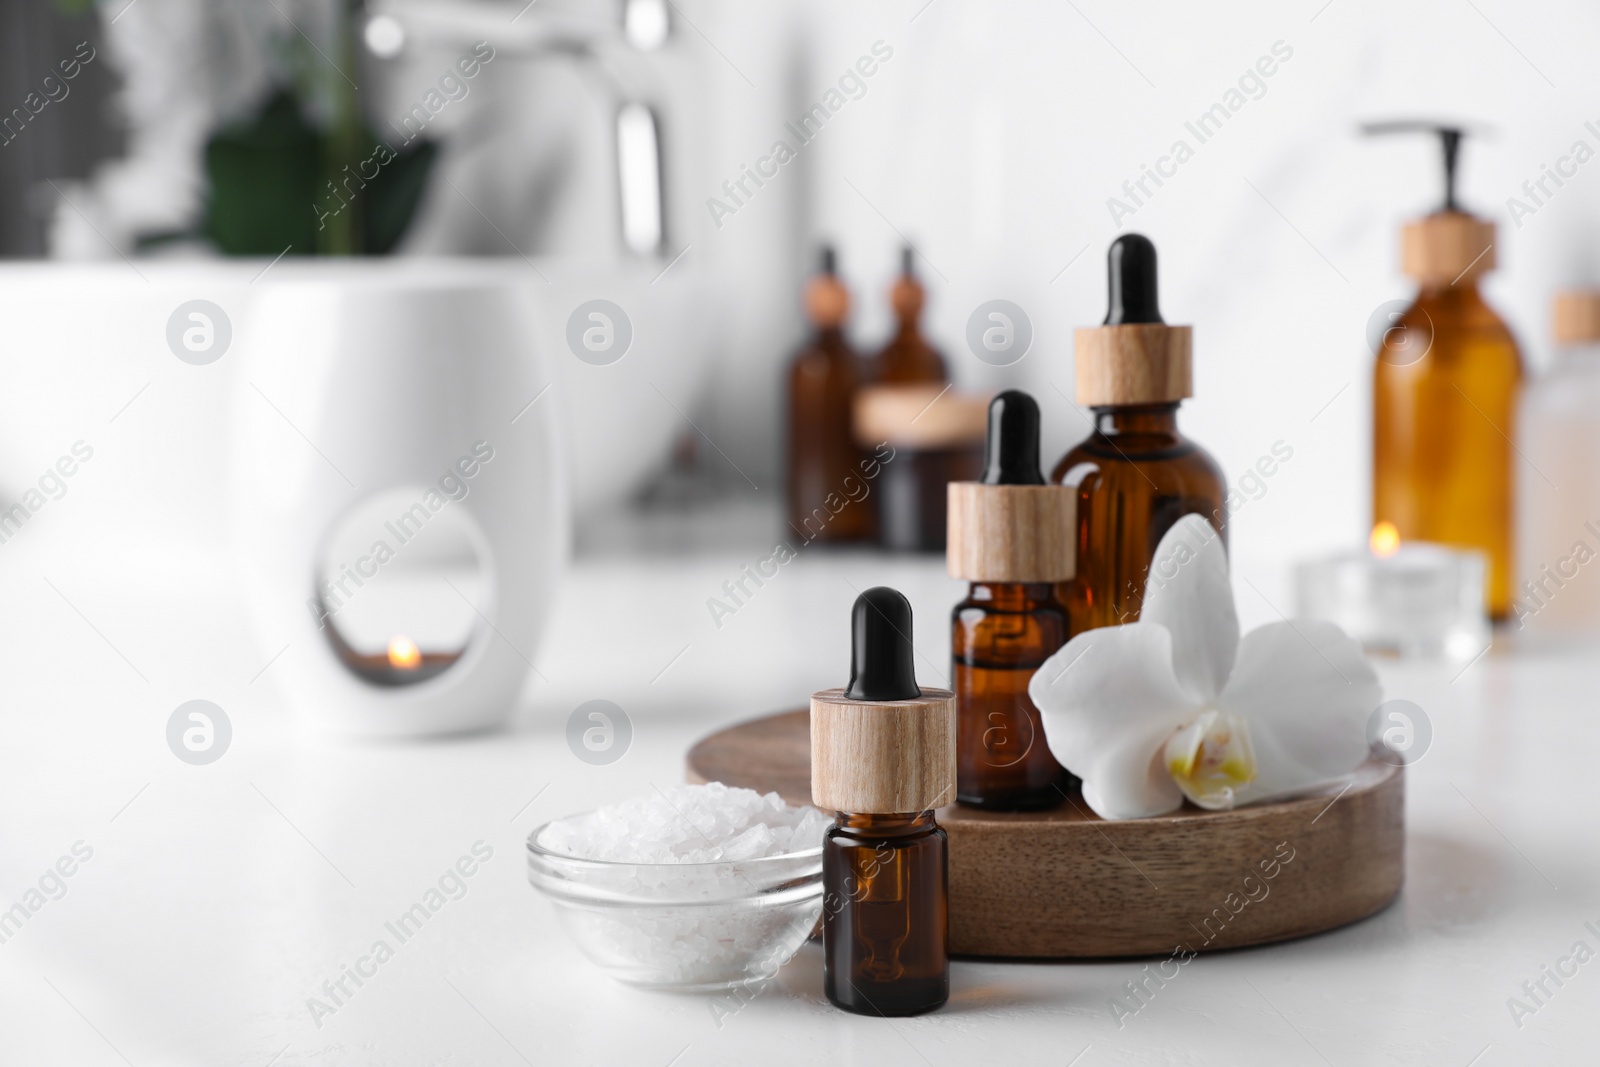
<point x="1012" y="537"/>
<point x="825" y="483"/>
<point x="1136" y="475"/>
<point x="935" y="436"/>
<point x="883" y="757"/>
<point x="1444" y="391"/>
<point x="908" y="358"/>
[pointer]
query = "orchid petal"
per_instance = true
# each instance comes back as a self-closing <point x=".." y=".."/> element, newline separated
<point x="1108" y="701"/>
<point x="1188" y="592"/>
<point x="1307" y="692"/>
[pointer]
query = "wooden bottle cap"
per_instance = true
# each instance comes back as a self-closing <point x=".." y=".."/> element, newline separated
<point x="1575" y="317"/>
<point x="919" y="417"/>
<point x="1134" y="363"/>
<point x="1011" y="533"/>
<point x="1447" y="248"/>
<point x="883" y="757"/>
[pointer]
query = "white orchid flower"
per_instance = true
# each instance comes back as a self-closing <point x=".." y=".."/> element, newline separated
<point x="1176" y="705"/>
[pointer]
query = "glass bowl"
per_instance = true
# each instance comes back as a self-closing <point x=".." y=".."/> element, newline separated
<point x="685" y="926"/>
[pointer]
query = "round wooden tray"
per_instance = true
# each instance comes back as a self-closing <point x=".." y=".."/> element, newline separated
<point x="1066" y="883"/>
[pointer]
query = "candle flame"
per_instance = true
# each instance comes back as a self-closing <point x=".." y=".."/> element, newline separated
<point x="404" y="654"/>
<point x="1385" y="539"/>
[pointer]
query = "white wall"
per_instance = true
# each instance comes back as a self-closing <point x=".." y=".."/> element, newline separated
<point x="993" y="138"/>
<point x="996" y="133"/>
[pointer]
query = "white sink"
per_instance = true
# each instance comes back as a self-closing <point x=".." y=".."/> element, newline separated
<point x="84" y="357"/>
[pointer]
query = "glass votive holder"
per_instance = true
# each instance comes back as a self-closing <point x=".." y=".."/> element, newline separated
<point x="1419" y="600"/>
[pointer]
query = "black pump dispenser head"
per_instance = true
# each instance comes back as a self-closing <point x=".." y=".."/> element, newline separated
<point x="1450" y="138"/>
<point x="1131" y="288"/>
<point x="1011" y="448"/>
<point x="881" y="661"/>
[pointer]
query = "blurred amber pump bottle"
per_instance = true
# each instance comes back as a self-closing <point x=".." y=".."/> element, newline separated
<point x="1444" y="396"/>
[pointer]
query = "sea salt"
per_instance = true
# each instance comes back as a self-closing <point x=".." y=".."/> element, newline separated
<point x="689" y="824"/>
<point x="707" y="902"/>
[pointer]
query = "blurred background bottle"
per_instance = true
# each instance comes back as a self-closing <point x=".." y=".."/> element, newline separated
<point x="935" y="432"/>
<point x="1558" y="498"/>
<point x="823" y="379"/>
<point x="908" y="358"/>
<point x="934" y="435"/>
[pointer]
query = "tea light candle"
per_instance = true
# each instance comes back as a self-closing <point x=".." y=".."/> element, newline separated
<point x="1415" y="599"/>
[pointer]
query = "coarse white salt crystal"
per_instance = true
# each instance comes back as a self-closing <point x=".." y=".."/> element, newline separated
<point x="689" y="824"/>
<point x="721" y="884"/>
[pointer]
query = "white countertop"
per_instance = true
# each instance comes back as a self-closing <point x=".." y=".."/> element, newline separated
<point x="218" y="899"/>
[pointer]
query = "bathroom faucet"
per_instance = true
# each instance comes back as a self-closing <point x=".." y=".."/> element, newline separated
<point x="643" y="26"/>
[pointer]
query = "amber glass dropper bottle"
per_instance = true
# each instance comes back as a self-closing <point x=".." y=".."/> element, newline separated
<point x="908" y="358"/>
<point x="1444" y="390"/>
<point x="1012" y="537"/>
<point x="1136" y="475"/>
<point x="883" y="756"/>
<point x="823" y="456"/>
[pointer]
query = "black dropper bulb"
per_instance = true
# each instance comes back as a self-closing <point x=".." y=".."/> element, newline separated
<point x="829" y="260"/>
<point x="908" y="261"/>
<point x="1011" y="448"/>
<point x="1131" y="292"/>
<point x="881" y="666"/>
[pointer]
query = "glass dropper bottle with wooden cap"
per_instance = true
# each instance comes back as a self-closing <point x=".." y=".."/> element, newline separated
<point x="1136" y="475"/>
<point x="1012" y="537"/>
<point x="883" y="756"/>
<point x="1444" y="389"/>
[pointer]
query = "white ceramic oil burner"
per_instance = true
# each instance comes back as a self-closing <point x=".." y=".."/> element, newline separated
<point x="399" y="502"/>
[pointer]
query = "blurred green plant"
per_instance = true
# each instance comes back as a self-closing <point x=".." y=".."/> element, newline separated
<point x="274" y="186"/>
<point x="278" y="183"/>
